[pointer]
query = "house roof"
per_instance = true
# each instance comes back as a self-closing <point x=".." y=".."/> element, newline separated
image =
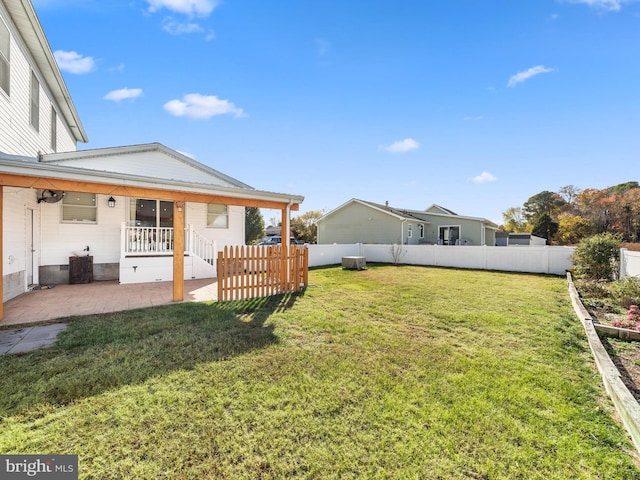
<point x="26" y="21"/>
<point x="14" y="169"/>
<point x="400" y="214"/>
<point x="436" y="207"/>
<point x="418" y="215"/>
<point x="98" y="153"/>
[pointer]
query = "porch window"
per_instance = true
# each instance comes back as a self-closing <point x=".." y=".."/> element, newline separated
<point x="150" y="213"/>
<point x="4" y="57"/>
<point x="217" y="216"/>
<point x="448" y="235"/>
<point x="79" y="207"/>
<point x="410" y="230"/>
<point x="421" y="230"/>
<point x="35" y="102"/>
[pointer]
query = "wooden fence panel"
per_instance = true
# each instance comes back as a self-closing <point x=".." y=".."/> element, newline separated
<point x="261" y="271"/>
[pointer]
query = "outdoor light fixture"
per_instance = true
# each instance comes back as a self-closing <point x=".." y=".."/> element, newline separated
<point x="111" y="202"/>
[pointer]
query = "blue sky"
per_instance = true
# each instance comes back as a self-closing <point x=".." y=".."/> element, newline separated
<point x="473" y="105"/>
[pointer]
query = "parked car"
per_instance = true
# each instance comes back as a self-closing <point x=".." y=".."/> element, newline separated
<point x="277" y="240"/>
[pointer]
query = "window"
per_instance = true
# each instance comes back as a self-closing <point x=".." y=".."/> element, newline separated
<point x="54" y="129"/>
<point x="4" y="57"/>
<point x="410" y="230"/>
<point x="217" y="216"/>
<point x="150" y="213"/>
<point x="448" y="235"/>
<point x="79" y="207"/>
<point x="421" y="230"/>
<point x="35" y="102"/>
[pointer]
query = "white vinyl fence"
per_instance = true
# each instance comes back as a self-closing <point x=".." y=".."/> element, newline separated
<point x="629" y="263"/>
<point x="531" y="259"/>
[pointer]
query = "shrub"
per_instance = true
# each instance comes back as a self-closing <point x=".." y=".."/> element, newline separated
<point x="626" y="292"/>
<point x="632" y="320"/>
<point x="598" y="257"/>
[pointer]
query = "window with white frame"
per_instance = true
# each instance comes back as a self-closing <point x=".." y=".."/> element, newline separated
<point x="421" y="230"/>
<point x="217" y="215"/>
<point x="79" y="207"/>
<point x="35" y="102"/>
<point x="449" y="235"/>
<point x="4" y="57"/>
<point x="410" y="230"/>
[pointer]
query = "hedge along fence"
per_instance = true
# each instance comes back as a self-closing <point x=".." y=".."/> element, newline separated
<point x="546" y="259"/>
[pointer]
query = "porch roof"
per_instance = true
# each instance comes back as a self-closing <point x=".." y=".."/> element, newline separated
<point x="28" y="172"/>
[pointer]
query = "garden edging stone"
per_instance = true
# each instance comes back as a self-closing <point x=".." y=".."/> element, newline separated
<point x="626" y="405"/>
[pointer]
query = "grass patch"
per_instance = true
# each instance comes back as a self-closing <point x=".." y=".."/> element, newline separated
<point x="390" y="372"/>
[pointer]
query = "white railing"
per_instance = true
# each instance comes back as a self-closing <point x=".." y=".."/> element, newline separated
<point x="140" y="241"/>
<point x="146" y="240"/>
<point x="200" y="246"/>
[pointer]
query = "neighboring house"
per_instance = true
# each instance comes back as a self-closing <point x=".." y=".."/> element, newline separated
<point x="508" y="239"/>
<point x="127" y="208"/>
<point x="359" y="221"/>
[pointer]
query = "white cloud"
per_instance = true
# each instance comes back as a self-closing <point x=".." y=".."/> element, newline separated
<point x="402" y="146"/>
<point x="202" y="107"/>
<point x="180" y="28"/>
<point x="614" y="5"/>
<point x="527" y="74"/>
<point x="123" y="94"/>
<point x="199" y="8"/>
<point x="73" y="62"/>
<point x="484" y="177"/>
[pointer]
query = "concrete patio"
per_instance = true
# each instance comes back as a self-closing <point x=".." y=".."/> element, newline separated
<point x="99" y="297"/>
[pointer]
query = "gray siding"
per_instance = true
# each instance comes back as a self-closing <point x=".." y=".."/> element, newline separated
<point x="357" y="223"/>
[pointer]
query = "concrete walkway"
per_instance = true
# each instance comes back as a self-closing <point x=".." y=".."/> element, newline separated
<point x="48" y="304"/>
<point x="23" y="340"/>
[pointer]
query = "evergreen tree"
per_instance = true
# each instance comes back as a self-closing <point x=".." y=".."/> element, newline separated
<point x="253" y="225"/>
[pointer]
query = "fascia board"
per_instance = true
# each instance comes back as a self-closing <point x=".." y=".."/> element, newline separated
<point x="86" y="175"/>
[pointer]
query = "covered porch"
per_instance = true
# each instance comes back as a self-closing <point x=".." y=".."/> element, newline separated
<point x="37" y="175"/>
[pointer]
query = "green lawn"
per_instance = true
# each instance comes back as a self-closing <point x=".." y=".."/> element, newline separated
<point x="391" y="372"/>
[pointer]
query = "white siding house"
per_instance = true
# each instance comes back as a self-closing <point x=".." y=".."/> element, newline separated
<point x="58" y="203"/>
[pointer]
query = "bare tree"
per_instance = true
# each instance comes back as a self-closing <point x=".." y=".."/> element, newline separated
<point x="397" y="252"/>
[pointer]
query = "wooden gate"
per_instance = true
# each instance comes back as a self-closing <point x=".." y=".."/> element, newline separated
<point x="261" y="271"/>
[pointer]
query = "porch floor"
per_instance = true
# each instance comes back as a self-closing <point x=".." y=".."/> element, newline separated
<point x="99" y="297"/>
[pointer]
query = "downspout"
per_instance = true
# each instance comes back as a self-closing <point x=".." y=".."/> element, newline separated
<point x="402" y="232"/>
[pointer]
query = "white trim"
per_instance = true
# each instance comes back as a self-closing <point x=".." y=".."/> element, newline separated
<point x="43" y="170"/>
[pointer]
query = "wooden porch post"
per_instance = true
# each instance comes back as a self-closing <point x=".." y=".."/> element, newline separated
<point x="1" y="254"/>
<point x="285" y="227"/>
<point x="178" y="251"/>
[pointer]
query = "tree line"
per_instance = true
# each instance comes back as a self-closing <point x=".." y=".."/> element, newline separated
<point x="569" y="215"/>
